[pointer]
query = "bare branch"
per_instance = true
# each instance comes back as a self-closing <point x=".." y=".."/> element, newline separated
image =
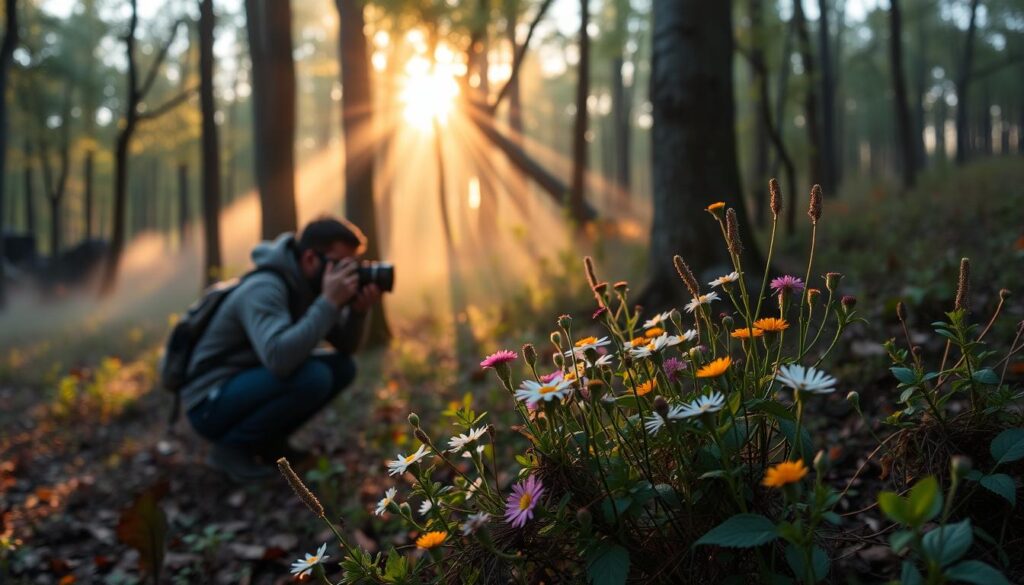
<point x="517" y="59"/>
<point x="168" y="105"/>
<point x="161" y="56"/>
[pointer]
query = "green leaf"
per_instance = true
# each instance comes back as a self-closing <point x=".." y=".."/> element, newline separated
<point x="895" y="508"/>
<point x="924" y="501"/>
<point x="741" y="531"/>
<point x="608" y="565"/>
<point x="976" y="572"/>
<point x="946" y="544"/>
<point x="904" y="375"/>
<point x="986" y="376"/>
<point x="909" y="575"/>
<point x="771" y="408"/>
<point x="1001" y="485"/>
<point x="900" y="540"/>
<point x="1008" y="446"/>
<point x="788" y="429"/>
<point x="819" y="560"/>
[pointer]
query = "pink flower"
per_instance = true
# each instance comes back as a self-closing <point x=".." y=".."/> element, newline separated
<point x="787" y="284"/>
<point x="673" y="366"/>
<point x="522" y="501"/>
<point x="499" y="357"/>
<point x="548" y="378"/>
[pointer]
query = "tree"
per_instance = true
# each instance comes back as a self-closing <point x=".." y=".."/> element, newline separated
<point x="87" y="173"/>
<point x="579" y="143"/>
<point x="269" y="26"/>
<point x="210" y="145"/>
<point x="828" y="105"/>
<point x="133" y="115"/>
<point x="6" y="55"/>
<point x="357" y="125"/>
<point x="963" y="80"/>
<point x="907" y="162"/>
<point x="55" y="186"/>
<point x="693" y="140"/>
<point x="810" y="95"/>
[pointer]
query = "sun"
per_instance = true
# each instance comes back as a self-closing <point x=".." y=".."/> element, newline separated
<point x="428" y="92"/>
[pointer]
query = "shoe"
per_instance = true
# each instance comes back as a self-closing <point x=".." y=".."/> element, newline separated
<point x="238" y="464"/>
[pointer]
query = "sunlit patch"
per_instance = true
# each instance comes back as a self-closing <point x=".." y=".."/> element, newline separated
<point x="428" y="92"/>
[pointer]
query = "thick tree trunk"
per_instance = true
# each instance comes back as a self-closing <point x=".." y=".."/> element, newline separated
<point x="759" y="173"/>
<point x="183" y="207"/>
<point x="811" y="95"/>
<point x="828" y="133"/>
<point x="357" y="126"/>
<point x="693" y="142"/>
<point x="577" y="194"/>
<point x="621" y="134"/>
<point x="269" y="26"/>
<point x="920" y="89"/>
<point x="908" y="163"/>
<point x="839" y="115"/>
<point x="6" y="54"/>
<point x="87" y="212"/>
<point x="963" y="82"/>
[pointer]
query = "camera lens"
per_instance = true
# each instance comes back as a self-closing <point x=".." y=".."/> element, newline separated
<point x="380" y="273"/>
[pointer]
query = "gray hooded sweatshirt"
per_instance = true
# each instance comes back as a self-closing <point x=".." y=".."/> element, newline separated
<point x="254" y="326"/>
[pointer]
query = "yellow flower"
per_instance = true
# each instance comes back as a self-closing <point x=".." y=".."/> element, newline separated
<point x="716" y="206"/>
<point x="771" y="324"/>
<point x="431" y="540"/>
<point x="653" y="332"/>
<point x="715" y="368"/>
<point x="586" y="341"/>
<point x="638" y="342"/>
<point x="784" y="473"/>
<point x="646" y="387"/>
<point x="745" y="333"/>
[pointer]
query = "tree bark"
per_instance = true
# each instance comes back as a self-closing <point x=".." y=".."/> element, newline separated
<point x="939" y="120"/>
<point x="273" y="96"/>
<point x="963" y="81"/>
<point x="828" y="107"/>
<point x="6" y="55"/>
<point x="810" y="97"/>
<point x="210" y="146"/>
<point x="755" y="10"/>
<point x="908" y="164"/>
<point x="30" y="192"/>
<point x="183" y="207"/>
<point x="921" y="88"/>
<point x="87" y="212"/>
<point x="577" y="194"/>
<point x="357" y="132"/>
<point x="693" y="141"/>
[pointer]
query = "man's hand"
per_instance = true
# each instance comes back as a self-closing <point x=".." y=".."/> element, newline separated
<point x="341" y="282"/>
<point x="366" y="298"/>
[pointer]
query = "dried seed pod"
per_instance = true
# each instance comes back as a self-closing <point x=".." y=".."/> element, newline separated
<point x="814" y="209"/>
<point x="588" y="267"/>
<point x="686" y="275"/>
<point x="300" y="488"/>
<point x="963" y="286"/>
<point x="732" y="232"/>
<point x="776" y="197"/>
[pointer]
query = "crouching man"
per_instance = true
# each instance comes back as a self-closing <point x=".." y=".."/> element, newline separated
<point x="254" y="377"/>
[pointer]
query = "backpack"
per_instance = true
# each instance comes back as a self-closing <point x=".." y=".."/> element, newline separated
<point x="185" y="335"/>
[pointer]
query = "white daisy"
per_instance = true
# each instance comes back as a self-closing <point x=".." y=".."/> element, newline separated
<point x="702" y="300"/>
<point x="402" y="462"/>
<point x="657" y="320"/>
<point x="703" y="404"/>
<point x="642" y="352"/>
<point x="425" y="507"/>
<point x="804" y="379"/>
<point x="456" y="444"/>
<point x="469" y="453"/>
<point x="588" y="343"/>
<point x="653" y="424"/>
<point x="382" y="506"/>
<point x="604" y="360"/>
<point x="473" y="487"/>
<point x="304" y="567"/>
<point x="531" y="391"/>
<point x="728" y="278"/>
<point x="475" y="522"/>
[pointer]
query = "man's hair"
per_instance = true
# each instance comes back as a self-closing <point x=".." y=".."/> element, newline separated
<point x="323" y="232"/>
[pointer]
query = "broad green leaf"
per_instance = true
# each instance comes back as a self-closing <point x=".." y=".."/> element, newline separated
<point x="924" y="501"/>
<point x="986" y="376"/>
<point x="608" y="565"/>
<point x="904" y="375"/>
<point x="1001" y="485"/>
<point x="948" y="543"/>
<point x="1008" y="446"/>
<point x="788" y="429"/>
<point x="770" y="407"/>
<point x="895" y="508"/>
<point x="900" y="540"/>
<point x="909" y="575"/>
<point x="976" y="572"/>
<point x="819" y="560"/>
<point x="741" y="531"/>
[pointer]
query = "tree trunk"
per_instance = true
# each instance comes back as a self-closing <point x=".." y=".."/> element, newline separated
<point x="621" y="133"/>
<point x="6" y="54"/>
<point x="828" y="134"/>
<point x="811" y="96"/>
<point x="357" y="132"/>
<point x="210" y="146"/>
<point x="908" y="164"/>
<point x="577" y="194"/>
<point x="183" y="207"/>
<point x="963" y="81"/>
<point x="87" y="212"/>
<point x="839" y="114"/>
<point x="518" y="187"/>
<point x="273" y="97"/>
<point x="921" y="88"/>
<point x="693" y="141"/>
<point x="30" y="192"/>
<point x="759" y="174"/>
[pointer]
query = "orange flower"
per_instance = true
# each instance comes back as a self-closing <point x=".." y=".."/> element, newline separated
<point x="653" y="332"/>
<point x="646" y="387"/>
<point x="585" y="341"/>
<point x="431" y="540"/>
<point x="771" y="324"/>
<point x="638" y="342"/>
<point x="715" y="368"/>
<point x="716" y="206"/>
<point x="784" y="473"/>
<point x="745" y="333"/>
<point x="812" y="293"/>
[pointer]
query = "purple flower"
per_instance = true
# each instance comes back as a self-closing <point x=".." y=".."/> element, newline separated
<point x="547" y="378"/>
<point x="673" y="366"/>
<point x="522" y="501"/>
<point x="787" y="284"/>
<point x="499" y="357"/>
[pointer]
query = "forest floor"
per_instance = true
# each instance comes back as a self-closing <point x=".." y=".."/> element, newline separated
<point x="86" y="452"/>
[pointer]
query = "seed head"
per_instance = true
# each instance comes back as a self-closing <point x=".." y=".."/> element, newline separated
<point x="564" y="321"/>
<point x="848" y="302"/>
<point x="960" y="465"/>
<point x="776" y="197"/>
<point x="414" y="420"/>
<point x="686" y="275"/>
<point x="300" y="488"/>
<point x="530" y="354"/>
<point x="732" y="232"/>
<point x="832" y="281"/>
<point x="588" y="267"/>
<point x="621" y="287"/>
<point x="963" y="286"/>
<point x="814" y="209"/>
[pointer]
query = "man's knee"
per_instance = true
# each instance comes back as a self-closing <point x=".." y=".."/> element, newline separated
<point x="314" y="378"/>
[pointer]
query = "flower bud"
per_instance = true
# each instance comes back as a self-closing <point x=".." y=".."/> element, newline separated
<point x="395" y="508"/>
<point x="832" y="281"/>
<point x="423" y="438"/>
<point x="960" y="466"/>
<point x="901" y="311"/>
<point x="727" y="322"/>
<point x="565" y="321"/>
<point x="530" y="354"/>
<point x="821" y="462"/>
<point x="676" y="318"/>
<point x="854" y="399"/>
<point x="601" y="288"/>
<point x="556" y="338"/>
<point x="661" y="406"/>
<point x="716" y="209"/>
<point x="558" y="360"/>
<point x="414" y="420"/>
<point x="585" y="519"/>
<point x="848" y="302"/>
<point x="621" y="287"/>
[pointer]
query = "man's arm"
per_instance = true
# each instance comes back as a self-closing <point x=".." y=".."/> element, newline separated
<point x="347" y="333"/>
<point x="281" y="344"/>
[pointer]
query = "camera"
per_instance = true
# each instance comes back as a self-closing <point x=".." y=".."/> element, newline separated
<point x="380" y="273"/>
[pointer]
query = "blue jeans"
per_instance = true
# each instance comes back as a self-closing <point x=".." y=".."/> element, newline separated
<point x="254" y="408"/>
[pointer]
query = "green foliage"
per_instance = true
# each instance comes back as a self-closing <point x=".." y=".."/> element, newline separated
<point x="741" y="531"/>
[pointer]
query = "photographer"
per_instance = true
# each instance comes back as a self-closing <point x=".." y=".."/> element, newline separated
<point x="254" y="377"/>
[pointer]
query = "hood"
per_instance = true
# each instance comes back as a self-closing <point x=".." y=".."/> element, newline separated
<point x="280" y="256"/>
